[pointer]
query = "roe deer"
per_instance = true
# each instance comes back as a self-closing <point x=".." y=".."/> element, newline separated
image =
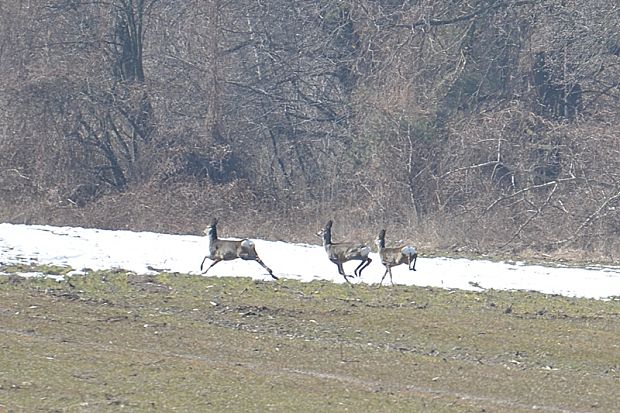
<point x="225" y="250"/>
<point x="391" y="257"/>
<point x="341" y="252"/>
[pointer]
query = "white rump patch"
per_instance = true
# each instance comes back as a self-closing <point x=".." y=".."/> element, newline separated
<point x="246" y="243"/>
<point x="408" y="250"/>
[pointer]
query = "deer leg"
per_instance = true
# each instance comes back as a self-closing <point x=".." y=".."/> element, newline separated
<point x="357" y="268"/>
<point x="341" y="271"/>
<point x="214" y="262"/>
<point x="384" y="274"/>
<point x="412" y="268"/>
<point x="363" y="264"/>
<point x="391" y="281"/>
<point x="203" y="262"/>
<point x="258" y="260"/>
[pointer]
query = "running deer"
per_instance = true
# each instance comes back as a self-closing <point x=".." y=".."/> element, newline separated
<point x="341" y="252"/>
<point x="226" y="250"/>
<point x="391" y="257"/>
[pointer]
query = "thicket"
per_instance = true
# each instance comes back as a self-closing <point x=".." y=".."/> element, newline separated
<point x="482" y="125"/>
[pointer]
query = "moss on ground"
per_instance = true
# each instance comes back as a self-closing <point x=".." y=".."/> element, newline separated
<point x="115" y="340"/>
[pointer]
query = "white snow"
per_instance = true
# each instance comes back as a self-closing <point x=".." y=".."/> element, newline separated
<point x="147" y="252"/>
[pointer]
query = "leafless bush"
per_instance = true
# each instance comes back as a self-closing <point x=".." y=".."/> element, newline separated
<point x="469" y="126"/>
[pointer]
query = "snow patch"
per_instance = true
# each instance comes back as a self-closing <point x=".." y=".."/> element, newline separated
<point x="145" y="252"/>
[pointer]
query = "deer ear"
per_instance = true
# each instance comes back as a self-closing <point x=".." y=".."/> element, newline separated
<point x="329" y="224"/>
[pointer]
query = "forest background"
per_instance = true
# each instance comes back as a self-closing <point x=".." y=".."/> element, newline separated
<point x="474" y="126"/>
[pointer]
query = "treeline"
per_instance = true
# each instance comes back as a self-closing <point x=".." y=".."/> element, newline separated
<point x="484" y="125"/>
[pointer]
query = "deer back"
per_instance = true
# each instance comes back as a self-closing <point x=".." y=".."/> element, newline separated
<point x="347" y="251"/>
<point x="397" y="255"/>
<point x="230" y="249"/>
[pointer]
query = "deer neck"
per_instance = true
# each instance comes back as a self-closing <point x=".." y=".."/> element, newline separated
<point x="212" y="233"/>
<point x="327" y="237"/>
<point x="380" y="243"/>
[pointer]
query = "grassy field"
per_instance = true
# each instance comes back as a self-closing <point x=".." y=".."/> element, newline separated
<point x="113" y="341"/>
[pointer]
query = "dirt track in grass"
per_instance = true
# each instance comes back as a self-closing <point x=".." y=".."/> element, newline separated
<point x="113" y="341"/>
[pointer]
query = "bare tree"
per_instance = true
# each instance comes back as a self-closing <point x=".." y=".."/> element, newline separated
<point x="474" y="124"/>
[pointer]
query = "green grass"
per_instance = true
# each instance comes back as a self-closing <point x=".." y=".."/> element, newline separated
<point x="43" y="269"/>
<point x="117" y="341"/>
